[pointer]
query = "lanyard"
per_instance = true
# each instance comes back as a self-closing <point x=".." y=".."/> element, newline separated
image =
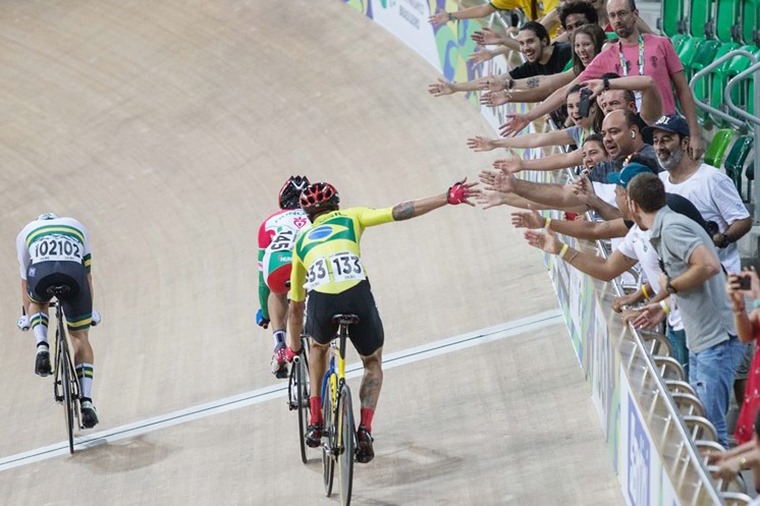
<point x="624" y="64"/>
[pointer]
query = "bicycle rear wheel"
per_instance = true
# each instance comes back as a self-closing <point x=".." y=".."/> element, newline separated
<point x="68" y="398"/>
<point x="328" y="458"/>
<point x="301" y="397"/>
<point x="346" y="440"/>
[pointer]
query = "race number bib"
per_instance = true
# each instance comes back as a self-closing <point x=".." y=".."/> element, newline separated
<point x="343" y="266"/>
<point x="346" y="266"/>
<point x="56" y="248"/>
<point x="317" y="274"/>
<point x="283" y="241"/>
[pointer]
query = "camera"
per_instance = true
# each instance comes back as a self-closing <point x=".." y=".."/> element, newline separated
<point x="745" y="283"/>
<point x="585" y="106"/>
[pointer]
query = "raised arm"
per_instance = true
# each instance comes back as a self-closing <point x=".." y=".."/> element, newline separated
<point x="477" y="11"/>
<point x="517" y="122"/>
<point x="554" y="138"/>
<point x="651" y="99"/>
<point x="581" y="229"/>
<point x="551" y="162"/>
<point x="458" y="193"/>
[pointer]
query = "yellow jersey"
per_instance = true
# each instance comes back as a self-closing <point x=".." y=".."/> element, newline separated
<point x="544" y="6"/>
<point x="326" y="256"/>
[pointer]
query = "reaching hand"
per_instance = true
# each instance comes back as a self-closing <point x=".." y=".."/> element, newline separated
<point x="260" y="320"/>
<point x="497" y="181"/>
<point x="649" y="317"/>
<point x="583" y="188"/>
<point x="439" y="18"/>
<point x="527" y="219"/>
<point x="495" y="98"/>
<point x="509" y="166"/>
<point x="595" y="85"/>
<point x="95" y="318"/>
<point x="480" y="143"/>
<point x="489" y="199"/>
<point x="728" y="469"/>
<point x="545" y="241"/>
<point x="486" y="37"/>
<point x="23" y="323"/>
<point x="490" y="83"/>
<point x="696" y="147"/>
<point x="441" y="88"/>
<point x="514" y="124"/>
<point x="481" y="55"/>
<point x="623" y="300"/>
<point x="460" y="193"/>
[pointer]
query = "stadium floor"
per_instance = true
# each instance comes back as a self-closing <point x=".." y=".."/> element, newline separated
<point x="168" y="128"/>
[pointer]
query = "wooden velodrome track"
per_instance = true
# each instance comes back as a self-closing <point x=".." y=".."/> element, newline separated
<point x="168" y="128"/>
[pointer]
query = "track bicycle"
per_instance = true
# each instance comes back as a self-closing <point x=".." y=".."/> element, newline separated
<point x="299" y="391"/>
<point x="339" y="427"/>
<point x="65" y="382"/>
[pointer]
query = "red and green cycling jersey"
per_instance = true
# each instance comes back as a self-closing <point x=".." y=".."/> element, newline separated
<point x="326" y="255"/>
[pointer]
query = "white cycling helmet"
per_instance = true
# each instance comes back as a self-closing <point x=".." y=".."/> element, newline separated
<point x="47" y="216"/>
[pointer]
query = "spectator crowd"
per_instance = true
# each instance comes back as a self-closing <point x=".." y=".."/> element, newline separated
<point x="621" y="105"/>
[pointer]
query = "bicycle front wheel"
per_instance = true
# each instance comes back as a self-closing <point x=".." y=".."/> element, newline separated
<point x="68" y="398"/>
<point x="328" y="449"/>
<point x="346" y="440"/>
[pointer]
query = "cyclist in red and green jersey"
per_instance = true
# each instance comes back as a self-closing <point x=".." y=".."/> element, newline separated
<point x="327" y="265"/>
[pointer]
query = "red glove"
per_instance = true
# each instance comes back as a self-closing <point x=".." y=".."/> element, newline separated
<point x="458" y="193"/>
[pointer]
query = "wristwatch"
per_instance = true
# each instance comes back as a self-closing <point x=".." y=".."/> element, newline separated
<point x="670" y="288"/>
<point x="606" y="82"/>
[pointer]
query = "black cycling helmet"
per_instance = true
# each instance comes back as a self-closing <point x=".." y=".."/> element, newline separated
<point x="291" y="191"/>
<point x="319" y="198"/>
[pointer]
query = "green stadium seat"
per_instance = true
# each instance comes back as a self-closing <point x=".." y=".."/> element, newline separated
<point x="750" y="22"/>
<point x="727" y="20"/>
<point x="678" y="40"/>
<point x="688" y="50"/>
<point x="673" y="15"/>
<point x="701" y="18"/>
<point x="716" y="81"/>
<point x="721" y="76"/>
<point x="717" y="147"/>
<point x="736" y="158"/>
<point x="706" y="53"/>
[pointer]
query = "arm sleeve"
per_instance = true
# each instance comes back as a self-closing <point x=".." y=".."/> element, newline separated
<point x="22" y="253"/>
<point x="681" y="240"/>
<point x="297" y="279"/>
<point x="727" y="199"/>
<point x="521" y="72"/>
<point x="264" y="240"/>
<point x="87" y="258"/>
<point x="370" y="217"/>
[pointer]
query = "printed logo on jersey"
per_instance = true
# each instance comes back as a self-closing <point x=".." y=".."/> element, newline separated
<point x="319" y="233"/>
<point x="300" y="221"/>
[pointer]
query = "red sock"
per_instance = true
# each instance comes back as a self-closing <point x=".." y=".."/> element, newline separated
<point x="315" y="403"/>
<point x="366" y="418"/>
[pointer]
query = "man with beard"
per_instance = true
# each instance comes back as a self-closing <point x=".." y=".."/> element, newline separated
<point x="635" y="54"/>
<point x="712" y="192"/>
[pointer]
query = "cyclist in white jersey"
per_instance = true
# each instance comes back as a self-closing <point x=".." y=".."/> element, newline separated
<point x="276" y="237"/>
<point x="56" y="251"/>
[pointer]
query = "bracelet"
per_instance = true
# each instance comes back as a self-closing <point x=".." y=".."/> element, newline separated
<point x="572" y="257"/>
<point x="644" y="291"/>
<point x="563" y="251"/>
<point x="548" y="221"/>
<point x="451" y="16"/>
<point x="665" y="308"/>
<point x="743" y="462"/>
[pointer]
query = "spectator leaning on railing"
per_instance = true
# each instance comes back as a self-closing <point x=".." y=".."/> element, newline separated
<point x="693" y="274"/>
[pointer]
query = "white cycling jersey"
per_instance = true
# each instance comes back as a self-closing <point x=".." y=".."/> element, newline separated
<point x="56" y="240"/>
<point x="278" y="232"/>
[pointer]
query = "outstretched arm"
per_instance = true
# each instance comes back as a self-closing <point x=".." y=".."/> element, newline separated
<point x="519" y="121"/>
<point x="477" y="11"/>
<point x="651" y="100"/>
<point x="458" y="193"/>
<point x="554" y="138"/>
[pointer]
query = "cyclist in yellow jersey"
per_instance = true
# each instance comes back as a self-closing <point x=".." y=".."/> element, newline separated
<point x="327" y="265"/>
<point x="543" y="7"/>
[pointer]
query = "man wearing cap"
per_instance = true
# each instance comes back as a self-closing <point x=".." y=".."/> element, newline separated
<point x="692" y="273"/>
<point x="711" y="191"/>
<point x="633" y="248"/>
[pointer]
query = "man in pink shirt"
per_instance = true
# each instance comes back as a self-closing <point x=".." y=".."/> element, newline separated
<point x="635" y="54"/>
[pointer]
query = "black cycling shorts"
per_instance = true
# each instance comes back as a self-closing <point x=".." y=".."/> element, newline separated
<point x="77" y="303"/>
<point x="367" y="336"/>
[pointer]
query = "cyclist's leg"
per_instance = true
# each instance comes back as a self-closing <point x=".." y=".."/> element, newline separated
<point x="78" y="310"/>
<point x="319" y="311"/>
<point x="37" y="284"/>
<point x="277" y="273"/>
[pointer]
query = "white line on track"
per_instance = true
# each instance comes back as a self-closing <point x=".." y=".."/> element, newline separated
<point x="260" y="395"/>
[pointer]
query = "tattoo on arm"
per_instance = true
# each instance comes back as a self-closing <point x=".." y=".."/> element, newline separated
<point x="403" y="211"/>
<point x="533" y="82"/>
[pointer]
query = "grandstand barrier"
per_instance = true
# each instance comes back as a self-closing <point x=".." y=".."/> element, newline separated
<point x="649" y="448"/>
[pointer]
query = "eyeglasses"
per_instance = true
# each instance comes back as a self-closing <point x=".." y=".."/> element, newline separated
<point x="618" y="14"/>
